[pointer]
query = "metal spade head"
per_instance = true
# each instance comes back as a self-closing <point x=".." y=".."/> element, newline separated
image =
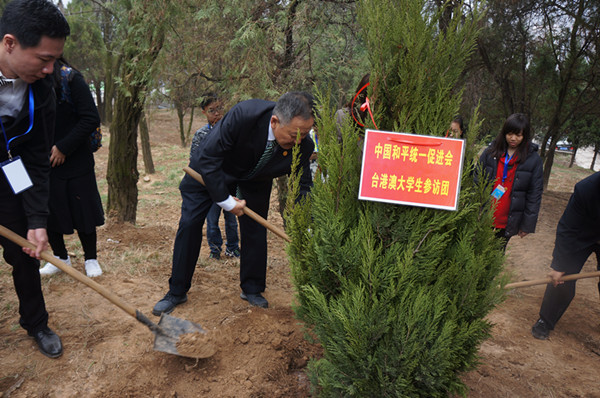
<point x="181" y="337"/>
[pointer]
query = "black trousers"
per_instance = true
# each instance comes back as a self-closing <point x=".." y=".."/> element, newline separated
<point x="557" y="299"/>
<point x="253" y="261"/>
<point x="88" y="243"/>
<point x="25" y="269"/>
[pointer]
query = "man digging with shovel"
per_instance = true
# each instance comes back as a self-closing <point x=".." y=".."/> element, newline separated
<point x="249" y="147"/>
<point x="33" y="35"/>
<point x="577" y="237"/>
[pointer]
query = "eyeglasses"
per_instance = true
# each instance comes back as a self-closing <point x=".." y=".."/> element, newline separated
<point x="212" y="111"/>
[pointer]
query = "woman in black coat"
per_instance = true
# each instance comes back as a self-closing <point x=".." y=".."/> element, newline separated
<point x="74" y="198"/>
<point x="515" y="168"/>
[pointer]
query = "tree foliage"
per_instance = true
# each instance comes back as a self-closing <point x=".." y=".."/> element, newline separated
<point x="85" y="47"/>
<point x="542" y="57"/>
<point x="396" y="295"/>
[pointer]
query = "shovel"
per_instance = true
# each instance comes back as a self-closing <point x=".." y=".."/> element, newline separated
<point x="172" y="335"/>
<point x="250" y="213"/>
<point x="547" y="280"/>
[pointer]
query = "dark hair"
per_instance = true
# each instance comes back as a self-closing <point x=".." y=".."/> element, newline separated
<point x="293" y="104"/>
<point x="29" y="20"/>
<point x="56" y="78"/>
<point x="360" y="99"/>
<point x="208" y="98"/>
<point x="363" y="94"/>
<point x="56" y="74"/>
<point x="515" y="123"/>
<point x="458" y="119"/>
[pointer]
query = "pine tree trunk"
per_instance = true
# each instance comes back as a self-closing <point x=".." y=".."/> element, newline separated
<point x="147" y="21"/>
<point x="549" y="156"/>
<point x="109" y="88"/>
<point x="596" y="149"/>
<point x="188" y="132"/>
<point x="573" y="158"/>
<point x="145" y="139"/>
<point x="99" y="101"/>
<point x="180" y="117"/>
<point x="122" y="174"/>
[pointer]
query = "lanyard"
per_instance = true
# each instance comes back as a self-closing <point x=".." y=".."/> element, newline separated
<point x="505" y="170"/>
<point x="31" y="111"/>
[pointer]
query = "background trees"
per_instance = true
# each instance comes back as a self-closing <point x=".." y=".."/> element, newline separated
<point x="542" y="58"/>
<point x="238" y="49"/>
<point x="536" y="57"/>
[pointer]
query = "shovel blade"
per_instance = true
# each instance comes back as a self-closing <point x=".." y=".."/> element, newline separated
<point x="184" y="338"/>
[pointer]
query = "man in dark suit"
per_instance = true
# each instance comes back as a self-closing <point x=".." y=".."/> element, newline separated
<point x="577" y="237"/>
<point x="33" y="35"/>
<point x="249" y="147"/>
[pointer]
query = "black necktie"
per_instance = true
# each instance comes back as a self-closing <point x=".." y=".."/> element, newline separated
<point x="264" y="159"/>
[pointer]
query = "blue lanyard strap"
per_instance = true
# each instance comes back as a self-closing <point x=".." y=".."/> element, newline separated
<point x="31" y="112"/>
<point x="505" y="170"/>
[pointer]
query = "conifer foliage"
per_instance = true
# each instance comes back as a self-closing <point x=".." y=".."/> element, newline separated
<point x="396" y="295"/>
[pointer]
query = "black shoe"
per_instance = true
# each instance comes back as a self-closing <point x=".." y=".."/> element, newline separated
<point x="168" y="304"/>
<point x="48" y="342"/>
<point x="540" y="330"/>
<point x="255" y="299"/>
<point x="214" y="256"/>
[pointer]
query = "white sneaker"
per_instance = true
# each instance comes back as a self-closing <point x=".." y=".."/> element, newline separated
<point x="92" y="268"/>
<point x="50" y="269"/>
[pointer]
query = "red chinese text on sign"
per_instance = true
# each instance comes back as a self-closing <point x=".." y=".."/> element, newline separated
<point x="410" y="169"/>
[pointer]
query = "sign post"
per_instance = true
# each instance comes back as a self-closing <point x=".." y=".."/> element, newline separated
<point x="410" y="169"/>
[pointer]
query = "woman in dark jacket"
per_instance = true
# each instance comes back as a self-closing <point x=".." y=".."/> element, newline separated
<point x="74" y="198"/>
<point x="515" y="168"/>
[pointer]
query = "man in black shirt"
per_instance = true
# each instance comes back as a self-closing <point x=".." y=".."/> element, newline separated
<point x="577" y="237"/>
<point x="33" y="35"/>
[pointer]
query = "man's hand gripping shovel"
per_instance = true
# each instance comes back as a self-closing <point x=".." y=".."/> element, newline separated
<point x="172" y="335"/>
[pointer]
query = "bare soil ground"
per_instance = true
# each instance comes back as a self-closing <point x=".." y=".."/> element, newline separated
<point x="261" y="353"/>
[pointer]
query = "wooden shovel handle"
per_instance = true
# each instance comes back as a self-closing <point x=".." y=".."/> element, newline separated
<point x="250" y="213"/>
<point x="547" y="280"/>
<point x="46" y="255"/>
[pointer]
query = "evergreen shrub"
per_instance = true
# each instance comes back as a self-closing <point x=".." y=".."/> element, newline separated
<point x="396" y="295"/>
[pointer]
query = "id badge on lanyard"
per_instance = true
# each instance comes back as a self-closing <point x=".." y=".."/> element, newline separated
<point x="13" y="168"/>
<point x="16" y="174"/>
<point x="500" y="189"/>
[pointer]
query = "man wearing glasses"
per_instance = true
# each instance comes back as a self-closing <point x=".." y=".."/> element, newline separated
<point x="212" y="108"/>
<point x="249" y="147"/>
<point x="33" y="35"/>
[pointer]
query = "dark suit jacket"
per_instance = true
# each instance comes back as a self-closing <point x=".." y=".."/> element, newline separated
<point x="34" y="150"/>
<point x="234" y="147"/>
<point x="579" y="227"/>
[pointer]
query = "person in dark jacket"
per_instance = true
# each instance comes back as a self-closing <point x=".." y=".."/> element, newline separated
<point x="74" y="198"/>
<point x="212" y="108"/>
<point x="514" y="166"/>
<point x="577" y="237"/>
<point x="248" y="147"/>
<point x="33" y="36"/>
